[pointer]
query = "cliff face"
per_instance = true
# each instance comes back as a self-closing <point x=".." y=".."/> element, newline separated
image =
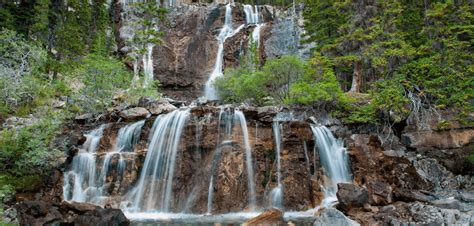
<point x="185" y="59"/>
<point x="393" y="180"/>
<point x="199" y="145"/>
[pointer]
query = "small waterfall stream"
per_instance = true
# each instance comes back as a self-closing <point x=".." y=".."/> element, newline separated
<point x="334" y="160"/>
<point x="154" y="188"/>
<point x="83" y="170"/>
<point x="148" y="65"/>
<point x="226" y="32"/>
<point x="127" y="138"/>
<point x="277" y="192"/>
<point x="227" y="120"/>
<point x="252" y="16"/>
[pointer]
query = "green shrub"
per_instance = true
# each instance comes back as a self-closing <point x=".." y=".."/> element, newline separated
<point x="318" y="86"/>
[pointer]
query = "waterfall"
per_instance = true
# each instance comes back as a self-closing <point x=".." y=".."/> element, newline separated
<point x="83" y="170"/>
<point x="334" y="160"/>
<point x="252" y="16"/>
<point x="277" y="192"/>
<point x="148" y="65"/>
<point x="227" y="120"/>
<point x="227" y="31"/>
<point x="127" y="137"/>
<point x="248" y="156"/>
<point x="154" y="188"/>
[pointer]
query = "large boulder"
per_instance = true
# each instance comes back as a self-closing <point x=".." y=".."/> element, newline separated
<point x="134" y="113"/>
<point x="43" y="213"/>
<point x="333" y="217"/>
<point x="156" y="107"/>
<point x="350" y="195"/>
<point x="269" y="217"/>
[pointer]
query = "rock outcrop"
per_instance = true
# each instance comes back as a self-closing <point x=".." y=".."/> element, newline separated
<point x="333" y="217"/>
<point x="36" y="213"/>
<point x="269" y="217"/>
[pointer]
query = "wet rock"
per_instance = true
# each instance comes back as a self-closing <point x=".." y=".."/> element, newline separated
<point x="266" y="114"/>
<point x="333" y="217"/>
<point x="135" y="113"/>
<point x="350" y="196"/>
<point x="84" y="118"/>
<point x="41" y="213"/>
<point x="269" y="217"/>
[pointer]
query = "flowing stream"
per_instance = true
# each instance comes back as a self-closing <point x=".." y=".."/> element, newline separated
<point x="334" y="159"/>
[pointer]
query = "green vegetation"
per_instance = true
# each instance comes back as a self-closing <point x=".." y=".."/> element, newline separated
<point x="286" y="80"/>
<point x="411" y="56"/>
<point x="57" y="60"/>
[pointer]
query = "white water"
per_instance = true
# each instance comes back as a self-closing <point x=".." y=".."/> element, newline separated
<point x="127" y="137"/>
<point x="248" y="156"/>
<point x="148" y="65"/>
<point x="277" y="192"/>
<point x="333" y="157"/>
<point x="227" y="119"/>
<point x="227" y="31"/>
<point x="83" y="170"/>
<point x="252" y="16"/>
<point x="154" y="188"/>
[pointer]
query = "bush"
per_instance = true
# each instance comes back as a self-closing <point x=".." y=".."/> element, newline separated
<point x="20" y="64"/>
<point x="27" y="150"/>
<point x="95" y="80"/>
<point x="318" y="86"/>
<point x="272" y="82"/>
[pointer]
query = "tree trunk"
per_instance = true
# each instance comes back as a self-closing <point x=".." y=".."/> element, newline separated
<point x="356" y="78"/>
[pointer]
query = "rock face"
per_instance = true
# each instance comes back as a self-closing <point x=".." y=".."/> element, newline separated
<point x="42" y="213"/>
<point x="185" y="59"/>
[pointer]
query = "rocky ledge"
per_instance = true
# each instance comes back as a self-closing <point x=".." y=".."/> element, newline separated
<point x="42" y="213"/>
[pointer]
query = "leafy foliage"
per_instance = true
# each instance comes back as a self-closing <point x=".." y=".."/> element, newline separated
<point x="286" y="80"/>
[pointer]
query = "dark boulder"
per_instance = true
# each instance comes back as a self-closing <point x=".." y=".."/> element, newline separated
<point x="350" y="195"/>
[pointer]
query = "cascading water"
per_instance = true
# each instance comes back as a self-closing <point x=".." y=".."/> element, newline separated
<point x="127" y="137"/>
<point x="148" y="65"/>
<point x="252" y="16"/>
<point x="277" y="192"/>
<point x="227" y="31"/>
<point x="248" y="156"/>
<point x="154" y="188"/>
<point x="227" y="120"/>
<point x="83" y="188"/>
<point x="334" y="160"/>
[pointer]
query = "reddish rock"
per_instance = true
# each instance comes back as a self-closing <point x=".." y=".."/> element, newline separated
<point x="269" y="217"/>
